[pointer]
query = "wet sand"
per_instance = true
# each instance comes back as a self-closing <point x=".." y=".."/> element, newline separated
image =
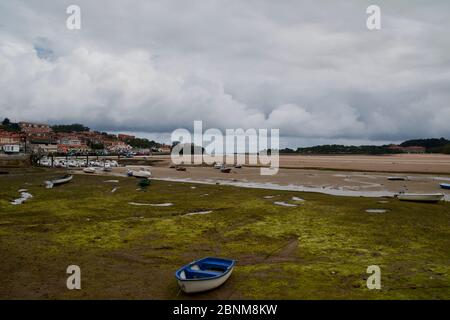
<point x="402" y="163"/>
<point x="345" y="183"/>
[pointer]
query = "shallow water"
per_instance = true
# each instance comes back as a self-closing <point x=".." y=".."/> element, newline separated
<point x="196" y="213"/>
<point x="290" y="187"/>
<point x="284" y="204"/>
<point x="168" y="204"/>
<point x="376" y="210"/>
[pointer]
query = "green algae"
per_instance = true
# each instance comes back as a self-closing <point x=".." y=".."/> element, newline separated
<point x="317" y="250"/>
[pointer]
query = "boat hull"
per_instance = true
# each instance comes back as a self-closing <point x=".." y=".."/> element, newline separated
<point x="203" y="285"/>
<point x="142" y="174"/>
<point x="434" y="197"/>
<point x="61" y="181"/>
<point x="204" y="274"/>
<point x="445" y="185"/>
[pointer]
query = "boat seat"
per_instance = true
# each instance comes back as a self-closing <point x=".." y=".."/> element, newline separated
<point x="214" y="265"/>
<point x="192" y="274"/>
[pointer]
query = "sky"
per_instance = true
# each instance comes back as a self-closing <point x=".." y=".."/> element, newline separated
<point x="311" y="69"/>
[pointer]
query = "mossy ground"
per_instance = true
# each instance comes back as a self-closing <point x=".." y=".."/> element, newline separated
<point x="318" y="250"/>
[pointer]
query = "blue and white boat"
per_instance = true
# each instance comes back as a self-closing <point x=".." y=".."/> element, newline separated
<point x="204" y="274"/>
<point x="445" y="185"/>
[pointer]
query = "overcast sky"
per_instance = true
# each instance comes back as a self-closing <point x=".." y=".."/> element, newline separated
<point x="310" y="68"/>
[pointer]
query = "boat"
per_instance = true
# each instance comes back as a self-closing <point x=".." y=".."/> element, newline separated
<point x="420" y="197"/>
<point x="204" y="274"/>
<point x="238" y="166"/>
<point x="180" y="168"/>
<point x="225" y="170"/>
<point x="89" y="170"/>
<point x="64" y="179"/>
<point x="142" y="174"/>
<point x="145" y="182"/>
<point x="129" y="173"/>
<point x="445" y="185"/>
<point x="107" y="167"/>
<point x="218" y="166"/>
<point x="396" y="178"/>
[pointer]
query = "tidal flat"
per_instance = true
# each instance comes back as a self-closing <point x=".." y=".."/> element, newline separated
<point x="318" y="249"/>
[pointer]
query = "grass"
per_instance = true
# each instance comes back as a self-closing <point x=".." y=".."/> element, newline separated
<point x="317" y="250"/>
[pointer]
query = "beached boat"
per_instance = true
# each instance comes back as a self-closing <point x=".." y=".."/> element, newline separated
<point x="445" y="185"/>
<point x="225" y="170"/>
<point x="64" y="179"/>
<point x="238" y="166"/>
<point x="396" y="178"/>
<point x="180" y="168"/>
<point x="218" y="166"/>
<point x="142" y="174"/>
<point x="421" y="197"/>
<point x="204" y="274"/>
<point x="144" y="182"/>
<point x="107" y="167"/>
<point x="89" y="170"/>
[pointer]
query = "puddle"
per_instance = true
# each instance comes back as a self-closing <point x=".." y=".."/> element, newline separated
<point x="441" y="178"/>
<point x="376" y="210"/>
<point x="291" y="187"/>
<point x="168" y="204"/>
<point x="111" y="181"/>
<point x="284" y="204"/>
<point x="297" y="199"/>
<point x="269" y="197"/>
<point x="114" y="190"/>
<point x="24" y="196"/>
<point x="196" y="213"/>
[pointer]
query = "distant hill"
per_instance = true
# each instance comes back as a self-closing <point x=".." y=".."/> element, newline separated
<point x="431" y="145"/>
<point x="434" y="145"/>
<point x="342" y="149"/>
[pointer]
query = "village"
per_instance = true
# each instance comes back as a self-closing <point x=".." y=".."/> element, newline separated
<point x="41" y="139"/>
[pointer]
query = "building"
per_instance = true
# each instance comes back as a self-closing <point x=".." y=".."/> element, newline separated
<point x="11" y="148"/>
<point x="43" y="146"/>
<point x="10" y="142"/>
<point x="9" y="137"/>
<point x="71" y="142"/>
<point x="35" y="129"/>
<point x="118" y="147"/>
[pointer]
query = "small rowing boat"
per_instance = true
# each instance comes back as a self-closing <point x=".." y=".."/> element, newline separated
<point x="396" y="178"/>
<point x="142" y="174"/>
<point x="89" y="170"/>
<point x="180" y="168"/>
<point x="64" y="179"/>
<point x="204" y="274"/>
<point x="445" y="185"/>
<point x="421" y="197"/>
<point x="225" y="169"/>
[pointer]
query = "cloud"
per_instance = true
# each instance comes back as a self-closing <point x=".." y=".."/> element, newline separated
<point x="157" y="66"/>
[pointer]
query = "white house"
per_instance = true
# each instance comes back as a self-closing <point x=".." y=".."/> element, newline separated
<point x="11" y="148"/>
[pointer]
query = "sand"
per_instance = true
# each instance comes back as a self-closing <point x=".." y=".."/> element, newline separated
<point x="409" y="163"/>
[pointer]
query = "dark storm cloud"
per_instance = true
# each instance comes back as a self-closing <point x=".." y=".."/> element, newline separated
<point x="310" y="68"/>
